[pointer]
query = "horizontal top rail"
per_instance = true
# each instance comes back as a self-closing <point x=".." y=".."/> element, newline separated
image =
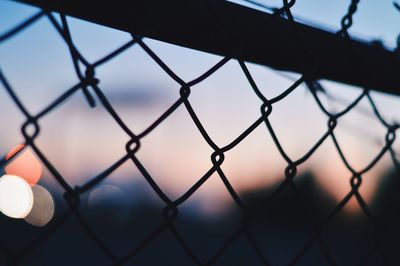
<point x="229" y="29"/>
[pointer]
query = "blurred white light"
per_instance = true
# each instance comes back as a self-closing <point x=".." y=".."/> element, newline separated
<point x="16" y="197"/>
<point x="43" y="207"/>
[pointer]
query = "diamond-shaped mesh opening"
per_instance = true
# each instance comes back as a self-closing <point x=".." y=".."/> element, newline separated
<point x="195" y="213"/>
<point x="224" y="118"/>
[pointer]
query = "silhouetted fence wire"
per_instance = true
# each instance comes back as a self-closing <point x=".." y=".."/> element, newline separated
<point x="88" y="85"/>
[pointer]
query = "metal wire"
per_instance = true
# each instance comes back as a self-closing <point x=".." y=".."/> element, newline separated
<point x="89" y="85"/>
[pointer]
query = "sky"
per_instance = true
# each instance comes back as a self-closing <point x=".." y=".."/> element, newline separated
<point x="82" y="142"/>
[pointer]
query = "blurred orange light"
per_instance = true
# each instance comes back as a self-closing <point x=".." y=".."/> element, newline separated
<point x="24" y="165"/>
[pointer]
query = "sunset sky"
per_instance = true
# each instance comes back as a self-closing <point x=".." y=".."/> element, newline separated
<point x="81" y="142"/>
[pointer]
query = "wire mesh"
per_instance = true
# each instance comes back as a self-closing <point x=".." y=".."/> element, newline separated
<point x="88" y="85"/>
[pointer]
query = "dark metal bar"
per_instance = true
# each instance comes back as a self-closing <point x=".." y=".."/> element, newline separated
<point x="228" y="29"/>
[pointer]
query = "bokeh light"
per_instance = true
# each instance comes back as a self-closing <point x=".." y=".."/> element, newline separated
<point x="16" y="197"/>
<point x="24" y="165"/>
<point x="110" y="204"/>
<point x="43" y="207"/>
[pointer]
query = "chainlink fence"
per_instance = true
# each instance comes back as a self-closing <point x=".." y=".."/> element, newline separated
<point x="89" y="87"/>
